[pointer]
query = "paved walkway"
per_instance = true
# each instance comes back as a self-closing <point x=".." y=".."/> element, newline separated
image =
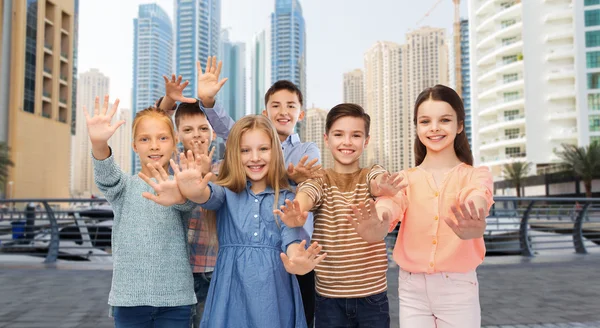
<point x="515" y="292"/>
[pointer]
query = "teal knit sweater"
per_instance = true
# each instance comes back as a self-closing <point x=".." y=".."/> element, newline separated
<point x="149" y="243"/>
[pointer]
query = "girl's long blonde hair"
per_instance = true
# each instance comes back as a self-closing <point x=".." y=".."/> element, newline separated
<point x="232" y="174"/>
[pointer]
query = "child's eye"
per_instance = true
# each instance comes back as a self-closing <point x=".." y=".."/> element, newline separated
<point x="424" y="122"/>
<point x="143" y="139"/>
<point x="445" y="120"/>
<point x="357" y="136"/>
<point x="187" y="130"/>
<point x="264" y="149"/>
<point x="204" y="129"/>
<point x="244" y="150"/>
<point x="164" y="138"/>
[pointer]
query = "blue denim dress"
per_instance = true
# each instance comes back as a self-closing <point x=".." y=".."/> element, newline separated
<point x="250" y="287"/>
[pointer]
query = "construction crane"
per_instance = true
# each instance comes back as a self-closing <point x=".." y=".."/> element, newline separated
<point x="456" y="38"/>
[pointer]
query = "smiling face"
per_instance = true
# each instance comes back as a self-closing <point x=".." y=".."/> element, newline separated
<point x="437" y="126"/>
<point x="255" y="148"/>
<point x="194" y="132"/>
<point x="153" y="142"/>
<point x="284" y="110"/>
<point x="347" y="140"/>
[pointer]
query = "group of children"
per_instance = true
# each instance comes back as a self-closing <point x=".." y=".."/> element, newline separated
<point x="273" y="240"/>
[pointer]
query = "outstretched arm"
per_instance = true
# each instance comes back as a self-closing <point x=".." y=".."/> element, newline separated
<point x="99" y="127"/>
<point x="300" y="261"/>
<point x="295" y="213"/>
<point x="190" y="180"/>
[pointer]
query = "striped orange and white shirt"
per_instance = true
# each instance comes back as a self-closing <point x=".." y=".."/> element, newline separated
<point x="353" y="268"/>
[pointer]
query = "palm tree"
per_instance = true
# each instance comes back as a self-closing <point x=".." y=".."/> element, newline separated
<point x="584" y="162"/>
<point x="515" y="172"/>
<point x="5" y="162"/>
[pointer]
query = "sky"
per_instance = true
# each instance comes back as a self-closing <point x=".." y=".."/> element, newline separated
<point x="338" y="33"/>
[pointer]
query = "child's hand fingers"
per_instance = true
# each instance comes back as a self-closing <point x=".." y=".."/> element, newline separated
<point x="151" y="197"/>
<point x="148" y="181"/>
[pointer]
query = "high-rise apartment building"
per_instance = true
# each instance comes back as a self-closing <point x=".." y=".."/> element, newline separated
<point x="37" y="59"/>
<point x="314" y="129"/>
<point x="197" y="32"/>
<point x="260" y="62"/>
<point x="524" y="98"/>
<point x="90" y="85"/>
<point x="354" y="87"/>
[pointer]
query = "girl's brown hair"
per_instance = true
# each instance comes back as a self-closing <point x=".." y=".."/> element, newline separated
<point x="461" y="142"/>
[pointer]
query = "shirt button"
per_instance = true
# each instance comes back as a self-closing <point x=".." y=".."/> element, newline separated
<point x="437" y="194"/>
<point x="255" y="215"/>
<point x="431" y="264"/>
<point x="434" y="242"/>
<point x="256" y="200"/>
<point x="436" y="218"/>
<point x="255" y="234"/>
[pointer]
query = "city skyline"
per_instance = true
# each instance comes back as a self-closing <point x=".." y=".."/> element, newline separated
<point x="335" y="43"/>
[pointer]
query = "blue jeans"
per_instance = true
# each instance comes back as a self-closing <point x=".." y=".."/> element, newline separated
<point x="364" y="312"/>
<point x="153" y="317"/>
<point x="201" y="285"/>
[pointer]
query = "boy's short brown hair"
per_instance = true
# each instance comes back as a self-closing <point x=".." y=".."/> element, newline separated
<point x="187" y="109"/>
<point x="347" y="109"/>
<point x="283" y="85"/>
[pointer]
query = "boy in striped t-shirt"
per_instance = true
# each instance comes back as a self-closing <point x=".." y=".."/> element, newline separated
<point x="351" y="281"/>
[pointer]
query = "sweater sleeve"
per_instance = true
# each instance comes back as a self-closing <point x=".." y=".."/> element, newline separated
<point x="109" y="178"/>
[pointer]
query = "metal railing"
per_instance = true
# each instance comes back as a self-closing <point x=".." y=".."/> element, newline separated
<point x="80" y="229"/>
<point x="540" y="226"/>
<point x="56" y="229"/>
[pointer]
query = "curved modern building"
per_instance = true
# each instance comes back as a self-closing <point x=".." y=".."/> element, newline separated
<point x="523" y="95"/>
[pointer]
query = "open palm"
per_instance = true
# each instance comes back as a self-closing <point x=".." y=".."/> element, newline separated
<point x="208" y="81"/>
<point x="99" y="124"/>
<point x="174" y="89"/>
<point x="167" y="192"/>
<point x="188" y="173"/>
<point x="291" y="214"/>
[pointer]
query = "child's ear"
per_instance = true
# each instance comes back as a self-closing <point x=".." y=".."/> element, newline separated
<point x="326" y="139"/>
<point x="214" y="135"/>
<point x="461" y="126"/>
<point x="134" y="147"/>
<point x="367" y="141"/>
<point x="265" y="113"/>
<point x="301" y="116"/>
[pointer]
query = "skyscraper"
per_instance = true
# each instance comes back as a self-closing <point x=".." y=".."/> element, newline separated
<point x="465" y="72"/>
<point x="314" y="129"/>
<point x="288" y="46"/>
<point x="587" y="61"/>
<point x="197" y="31"/>
<point x="91" y="84"/>
<point x="394" y="76"/>
<point x="384" y="77"/>
<point x="524" y="112"/>
<point x="260" y="58"/>
<point x="152" y="58"/>
<point x="354" y="87"/>
<point x="36" y="90"/>
<point x="233" y="93"/>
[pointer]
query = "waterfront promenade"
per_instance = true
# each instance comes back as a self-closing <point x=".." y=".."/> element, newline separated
<point x="515" y="291"/>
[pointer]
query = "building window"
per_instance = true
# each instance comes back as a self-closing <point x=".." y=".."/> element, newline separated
<point x="507" y="41"/>
<point x="591" y="2"/>
<point x="508" y="96"/>
<point x="593" y="80"/>
<point x="509" y="59"/>
<point x="30" y="56"/>
<point x="510" y="115"/>
<point x="594" y="101"/>
<point x="510" y="77"/>
<point x="592" y="59"/>
<point x="511" y="133"/>
<point x="592" y="17"/>
<point x="592" y="38"/>
<point x="594" y="123"/>
<point x="512" y="152"/>
<point x="508" y="22"/>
